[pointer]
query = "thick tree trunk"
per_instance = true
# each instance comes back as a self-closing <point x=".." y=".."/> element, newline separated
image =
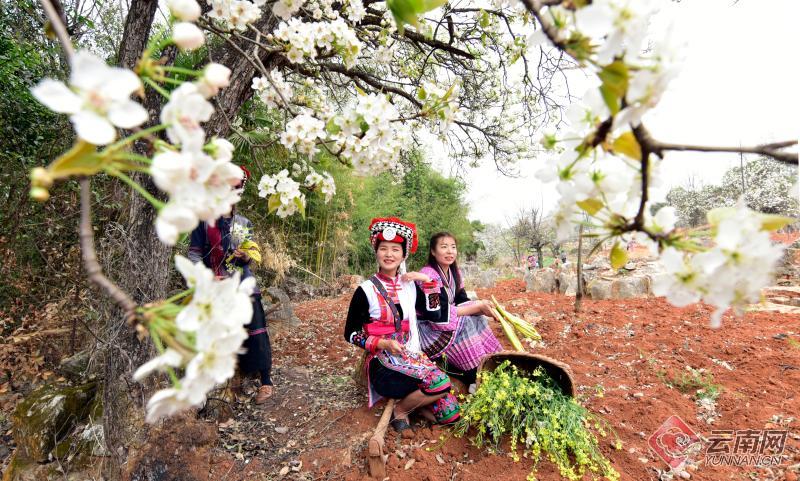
<point x="138" y="261"/>
<point x="139" y="264"/>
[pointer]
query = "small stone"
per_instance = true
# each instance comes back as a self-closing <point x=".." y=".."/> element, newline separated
<point x="643" y="460"/>
<point x="638" y="394"/>
<point x="685" y="475"/>
<point x="409" y="463"/>
<point x="439" y="459"/>
<point x="281" y="429"/>
<point x="284" y="471"/>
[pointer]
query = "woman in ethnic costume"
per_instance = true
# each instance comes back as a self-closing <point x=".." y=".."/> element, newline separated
<point x="226" y="247"/>
<point x="382" y="320"/>
<point x="460" y="336"/>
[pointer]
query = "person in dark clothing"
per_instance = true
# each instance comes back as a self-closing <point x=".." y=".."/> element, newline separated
<point x="227" y="247"/>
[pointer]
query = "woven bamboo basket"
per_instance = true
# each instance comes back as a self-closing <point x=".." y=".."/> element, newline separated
<point x="527" y="363"/>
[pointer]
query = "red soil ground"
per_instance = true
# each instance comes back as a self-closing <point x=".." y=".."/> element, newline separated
<point x="622" y="353"/>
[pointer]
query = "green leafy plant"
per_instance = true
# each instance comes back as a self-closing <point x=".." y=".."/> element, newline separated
<point x="532" y="410"/>
<point x="693" y="380"/>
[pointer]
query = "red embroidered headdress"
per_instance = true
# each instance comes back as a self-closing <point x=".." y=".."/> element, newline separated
<point x="392" y="229"/>
<point x="245" y="177"/>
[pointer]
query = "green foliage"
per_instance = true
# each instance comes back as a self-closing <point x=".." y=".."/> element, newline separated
<point x="32" y="135"/>
<point x="426" y="198"/>
<point x="702" y="383"/>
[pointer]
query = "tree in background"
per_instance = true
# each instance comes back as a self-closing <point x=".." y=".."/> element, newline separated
<point x="764" y="187"/>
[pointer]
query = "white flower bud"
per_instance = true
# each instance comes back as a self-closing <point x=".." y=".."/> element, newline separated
<point x="184" y="10"/>
<point x="187" y="36"/>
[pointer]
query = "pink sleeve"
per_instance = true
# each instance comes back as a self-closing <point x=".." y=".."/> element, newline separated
<point x="432" y="273"/>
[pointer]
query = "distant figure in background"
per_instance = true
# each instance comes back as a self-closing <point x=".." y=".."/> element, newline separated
<point x="227" y="247"/>
<point x="533" y="262"/>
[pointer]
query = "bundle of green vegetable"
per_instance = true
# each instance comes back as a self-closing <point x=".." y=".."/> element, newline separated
<point x="510" y="322"/>
<point x="539" y="418"/>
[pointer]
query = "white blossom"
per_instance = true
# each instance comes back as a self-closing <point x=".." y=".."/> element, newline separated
<point x="303" y="131"/>
<point x="98" y="98"/>
<point x="283" y="189"/>
<point x="215" y="76"/>
<point x="183" y="113"/>
<point x="170" y="358"/>
<point x="184" y="10"/>
<point x="187" y="36"/>
<point x="213" y="322"/>
<point x="235" y="14"/>
<point x="273" y="96"/>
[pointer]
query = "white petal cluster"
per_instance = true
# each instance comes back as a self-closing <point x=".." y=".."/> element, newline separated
<point x="185" y="34"/>
<point x="97" y="98"/>
<point x="200" y="179"/>
<point x="284" y="9"/>
<point x="730" y="274"/>
<point x="184" y="112"/>
<point x="184" y="10"/>
<point x="618" y="26"/>
<point x="215" y="77"/>
<point x="240" y="233"/>
<point x="377" y="147"/>
<point x="215" y="319"/>
<point x="302" y="132"/>
<point x="236" y="14"/>
<point x="324" y="182"/>
<point x="200" y="187"/>
<point x="442" y="103"/>
<point x="305" y="40"/>
<point x="284" y="191"/>
<point x="355" y="10"/>
<point x="273" y="94"/>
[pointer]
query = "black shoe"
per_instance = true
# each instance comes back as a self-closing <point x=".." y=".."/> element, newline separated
<point x="400" y="425"/>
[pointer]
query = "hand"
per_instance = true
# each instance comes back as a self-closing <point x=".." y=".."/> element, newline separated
<point x="391" y="345"/>
<point x="415" y="276"/>
<point x="487" y="309"/>
<point x="241" y="255"/>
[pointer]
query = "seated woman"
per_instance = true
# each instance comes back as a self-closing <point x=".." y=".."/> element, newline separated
<point x="460" y="336"/>
<point x="382" y="320"/>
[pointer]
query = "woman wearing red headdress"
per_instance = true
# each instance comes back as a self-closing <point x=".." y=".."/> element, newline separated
<point x="382" y="320"/>
<point x="226" y="247"/>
